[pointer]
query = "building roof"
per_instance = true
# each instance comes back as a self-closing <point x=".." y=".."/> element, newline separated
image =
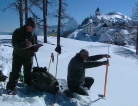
<point x="87" y="25"/>
<point x="106" y="38"/>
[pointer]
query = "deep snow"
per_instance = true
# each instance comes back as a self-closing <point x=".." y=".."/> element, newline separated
<point x="122" y="84"/>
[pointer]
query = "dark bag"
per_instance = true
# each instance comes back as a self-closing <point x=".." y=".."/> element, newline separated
<point x="43" y="80"/>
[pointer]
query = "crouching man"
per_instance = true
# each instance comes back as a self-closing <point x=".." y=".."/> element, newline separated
<point x="76" y="79"/>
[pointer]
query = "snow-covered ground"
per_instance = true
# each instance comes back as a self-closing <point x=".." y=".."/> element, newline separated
<point x="122" y="84"/>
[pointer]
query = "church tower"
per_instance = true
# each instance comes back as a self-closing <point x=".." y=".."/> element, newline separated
<point x="97" y="12"/>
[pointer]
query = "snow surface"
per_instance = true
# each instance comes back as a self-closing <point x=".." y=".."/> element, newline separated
<point x="122" y="84"/>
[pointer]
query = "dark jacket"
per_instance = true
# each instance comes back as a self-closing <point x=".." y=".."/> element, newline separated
<point x="77" y="66"/>
<point x="18" y="41"/>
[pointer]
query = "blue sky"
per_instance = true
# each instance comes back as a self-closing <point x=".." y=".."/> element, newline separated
<point x="78" y="9"/>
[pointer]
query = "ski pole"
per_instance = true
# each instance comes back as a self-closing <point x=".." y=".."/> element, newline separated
<point x="36" y="60"/>
<point x="49" y="64"/>
<point x="51" y="58"/>
<point x="56" y="65"/>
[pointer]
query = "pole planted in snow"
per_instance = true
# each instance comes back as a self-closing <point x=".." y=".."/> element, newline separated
<point x="106" y="74"/>
<point x="51" y="58"/>
<point x="58" y="31"/>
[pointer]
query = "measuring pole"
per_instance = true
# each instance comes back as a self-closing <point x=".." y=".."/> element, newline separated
<point x="106" y="74"/>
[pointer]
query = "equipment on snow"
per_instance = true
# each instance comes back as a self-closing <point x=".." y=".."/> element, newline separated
<point x="44" y="80"/>
<point x="102" y="96"/>
<point x="58" y="48"/>
<point x="36" y="60"/>
<point x="51" y="58"/>
<point x="56" y="66"/>
<point x="105" y="79"/>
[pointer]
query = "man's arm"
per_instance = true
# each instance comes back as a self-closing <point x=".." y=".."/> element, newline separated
<point x="16" y="42"/>
<point x="98" y="57"/>
<point x="95" y="64"/>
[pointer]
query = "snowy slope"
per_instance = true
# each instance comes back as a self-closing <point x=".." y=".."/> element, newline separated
<point x="122" y="81"/>
<point x="115" y="17"/>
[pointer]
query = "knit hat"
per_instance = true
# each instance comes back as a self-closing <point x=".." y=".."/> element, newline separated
<point x="30" y="22"/>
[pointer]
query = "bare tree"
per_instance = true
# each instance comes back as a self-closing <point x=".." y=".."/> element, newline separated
<point x="26" y="9"/>
<point x="18" y="5"/>
<point x="38" y="4"/>
<point x="45" y="7"/>
<point x="134" y="14"/>
<point x="61" y="17"/>
<point x="20" y="9"/>
<point x="134" y="17"/>
<point x="59" y="22"/>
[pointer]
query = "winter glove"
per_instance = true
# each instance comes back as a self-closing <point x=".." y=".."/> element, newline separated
<point x="105" y="62"/>
<point x="58" y="49"/>
<point x="106" y="56"/>
<point x="33" y="49"/>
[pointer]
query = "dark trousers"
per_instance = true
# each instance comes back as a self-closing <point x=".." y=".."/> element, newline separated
<point x="17" y="64"/>
<point x="80" y="89"/>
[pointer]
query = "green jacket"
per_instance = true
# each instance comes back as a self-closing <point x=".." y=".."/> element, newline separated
<point x="18" y="41"/>
<point x="76" y="69"/>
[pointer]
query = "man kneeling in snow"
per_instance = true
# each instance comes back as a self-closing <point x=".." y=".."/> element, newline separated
<point x="76" y="79"/>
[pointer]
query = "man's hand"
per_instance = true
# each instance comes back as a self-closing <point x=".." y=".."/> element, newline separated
<point x="106" y="56"/>
<point x="35" y="49"/>
<point x="28" y="43"/>
<point x="105" y="62"/>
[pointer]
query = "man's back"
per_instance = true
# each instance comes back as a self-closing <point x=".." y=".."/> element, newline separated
<point x="76" y="71"/>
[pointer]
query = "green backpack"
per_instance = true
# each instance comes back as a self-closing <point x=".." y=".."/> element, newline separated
<point x="43" y="80"/>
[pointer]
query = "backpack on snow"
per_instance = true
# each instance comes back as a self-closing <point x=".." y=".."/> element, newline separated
<point x="43" y="80"/>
